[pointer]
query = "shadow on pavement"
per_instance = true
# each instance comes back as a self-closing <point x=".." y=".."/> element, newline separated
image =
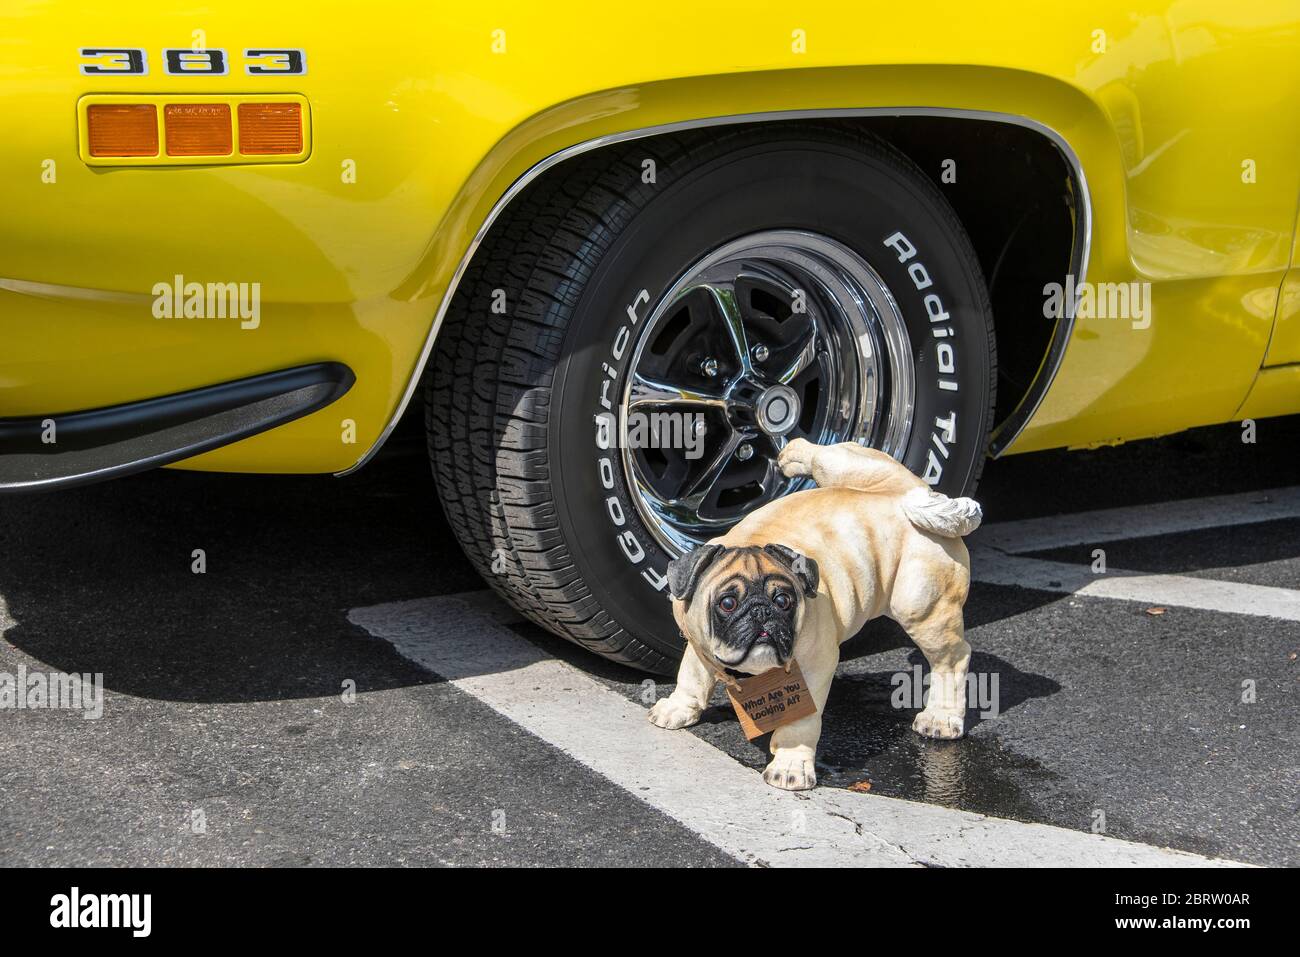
<point x="100" y="579"/>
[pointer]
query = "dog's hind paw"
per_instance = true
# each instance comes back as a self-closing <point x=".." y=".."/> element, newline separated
<point x="672" y="715"/>
<point x="939" y="724"/>
<point x="796" y="459"/>
<point x="791" y="772"/>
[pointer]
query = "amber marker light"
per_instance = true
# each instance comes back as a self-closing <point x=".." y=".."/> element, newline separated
<point x="122" y="129"/>
<point x="197" y="129"/>
<point x="269" y="128"/>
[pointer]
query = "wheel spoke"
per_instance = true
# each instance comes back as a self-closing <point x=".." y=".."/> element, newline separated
<point x="728" y="309"/>
<point x="699" y="491"/>
<point x="650" y="393"/>
<point x="806" y="357"/>
<point x="775" y="478"/>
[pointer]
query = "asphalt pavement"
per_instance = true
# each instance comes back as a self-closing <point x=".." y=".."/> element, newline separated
<point x="248" y="718"/>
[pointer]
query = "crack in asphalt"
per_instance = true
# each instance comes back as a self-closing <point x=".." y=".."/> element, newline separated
<point x="862" y="831"/>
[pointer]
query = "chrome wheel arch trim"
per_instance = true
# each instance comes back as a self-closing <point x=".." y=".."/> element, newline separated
<point x="1004" y="435"/>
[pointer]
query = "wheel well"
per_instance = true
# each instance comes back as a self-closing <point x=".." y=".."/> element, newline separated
<point x="1019" y="199"/>
<point x="1014" y="192"/>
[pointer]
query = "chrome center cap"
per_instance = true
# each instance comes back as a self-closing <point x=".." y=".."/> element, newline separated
<point x="777" y="409"/>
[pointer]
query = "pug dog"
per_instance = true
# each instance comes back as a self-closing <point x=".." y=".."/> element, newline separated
<point x="798" y="576"/>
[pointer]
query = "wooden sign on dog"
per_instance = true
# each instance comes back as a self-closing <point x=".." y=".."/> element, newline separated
<point x="765" y="702"/>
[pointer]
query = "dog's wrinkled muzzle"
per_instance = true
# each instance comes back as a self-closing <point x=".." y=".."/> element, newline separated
<point x="756" y="622"/>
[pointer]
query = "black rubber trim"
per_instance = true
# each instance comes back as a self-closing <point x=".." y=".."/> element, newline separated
<point x="109" y="442"/>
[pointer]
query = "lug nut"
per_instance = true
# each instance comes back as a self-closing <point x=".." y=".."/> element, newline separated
<point x="745" y="452"/>
<point x="760" y="353"/>
<point x="709" y="367"/>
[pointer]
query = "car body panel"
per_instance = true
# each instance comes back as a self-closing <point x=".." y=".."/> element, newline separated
<point x="1274" y="393"/>
<point x="1284" y="348"/>
<point x="437" y="113"/>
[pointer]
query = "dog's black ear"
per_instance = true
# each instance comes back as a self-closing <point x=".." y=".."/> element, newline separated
<point x="684" y="573"/>
<point x="804" y="568"/>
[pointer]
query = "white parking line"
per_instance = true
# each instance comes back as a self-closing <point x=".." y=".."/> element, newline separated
<point x="997" y="553"/>
<point x="1178" y="591"/>
<point x="466" y="639"/>
<point x="1139" y="521"/>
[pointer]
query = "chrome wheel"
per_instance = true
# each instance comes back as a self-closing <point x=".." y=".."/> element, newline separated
<point x="778" y="334"/>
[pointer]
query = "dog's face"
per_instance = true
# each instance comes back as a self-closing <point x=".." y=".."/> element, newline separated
<point x="744" y="605"/>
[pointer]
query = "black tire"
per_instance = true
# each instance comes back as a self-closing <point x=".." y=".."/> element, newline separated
<point x="512" y="395"/>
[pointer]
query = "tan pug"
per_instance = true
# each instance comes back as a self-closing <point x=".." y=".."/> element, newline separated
<point x="801" y="574"/>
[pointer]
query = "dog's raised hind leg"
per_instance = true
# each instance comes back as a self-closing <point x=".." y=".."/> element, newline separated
<point x="846" y="465"/>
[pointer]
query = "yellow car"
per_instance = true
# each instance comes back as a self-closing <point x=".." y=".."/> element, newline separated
<point x="620" y="254"/>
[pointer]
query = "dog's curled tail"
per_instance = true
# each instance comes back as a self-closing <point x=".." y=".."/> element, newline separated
<point x="935" y="512"/>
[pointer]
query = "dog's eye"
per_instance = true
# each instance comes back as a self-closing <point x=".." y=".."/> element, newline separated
<point x="781" y="600"/>
<point x="727" y="603"/>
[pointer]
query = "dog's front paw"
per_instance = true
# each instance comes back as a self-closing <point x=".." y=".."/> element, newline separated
<point x="796" y="458"/>
<point x="939" y="724"/>
<point x="791" y="771"/>
<point x="670" y="714"/>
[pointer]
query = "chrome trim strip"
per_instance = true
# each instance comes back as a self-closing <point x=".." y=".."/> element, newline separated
<point x="112" y="441"/>
<point x="1015" y="422"/>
